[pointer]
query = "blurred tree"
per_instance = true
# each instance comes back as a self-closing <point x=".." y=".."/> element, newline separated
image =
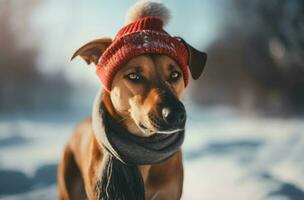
<point x="257" y="62"/>
<point x="17" y="64"/>
<point x="21" y="83"/>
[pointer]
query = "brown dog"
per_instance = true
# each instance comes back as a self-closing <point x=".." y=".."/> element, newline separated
<point x="145" y="100"/>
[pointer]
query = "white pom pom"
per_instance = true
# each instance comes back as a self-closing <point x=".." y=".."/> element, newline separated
<point x="145" y="8"/>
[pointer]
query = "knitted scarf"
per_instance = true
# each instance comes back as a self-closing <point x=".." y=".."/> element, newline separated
<point x="121" y="178"/>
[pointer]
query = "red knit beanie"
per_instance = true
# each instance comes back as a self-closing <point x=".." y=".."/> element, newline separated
<point x="143" y="36"/>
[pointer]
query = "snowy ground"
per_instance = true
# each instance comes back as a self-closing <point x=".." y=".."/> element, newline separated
<point x="227" y="155"/>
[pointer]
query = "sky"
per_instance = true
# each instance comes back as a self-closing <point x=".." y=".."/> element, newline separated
<point x="62" y="27"/>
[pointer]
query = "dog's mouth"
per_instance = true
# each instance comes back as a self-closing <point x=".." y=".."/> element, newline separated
<point x="155" y="124"/>
<point x="170" y="131"/>
<point x="159" y="130"/>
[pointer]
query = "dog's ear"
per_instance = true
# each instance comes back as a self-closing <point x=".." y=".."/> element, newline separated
<point x="197" y="60"/>
<point x="92" y="51"/>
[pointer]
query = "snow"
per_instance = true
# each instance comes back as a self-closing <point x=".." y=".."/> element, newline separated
<point x="227" y="155"/>
<point x="241" y="157"/>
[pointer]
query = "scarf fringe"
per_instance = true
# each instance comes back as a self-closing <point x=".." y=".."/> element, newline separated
<point x="120" y="181"/>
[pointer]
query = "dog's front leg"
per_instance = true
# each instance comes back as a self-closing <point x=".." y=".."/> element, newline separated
<point x="70" y="183"/>
<point x="164" y="181"/>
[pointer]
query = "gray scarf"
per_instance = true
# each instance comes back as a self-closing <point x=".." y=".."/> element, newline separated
<point x="121" y="179"/>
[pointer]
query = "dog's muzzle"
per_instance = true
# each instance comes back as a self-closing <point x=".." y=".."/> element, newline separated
<point x="170" y="119"/>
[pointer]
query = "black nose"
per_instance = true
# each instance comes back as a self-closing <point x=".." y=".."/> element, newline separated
<point x="174" y="117"/>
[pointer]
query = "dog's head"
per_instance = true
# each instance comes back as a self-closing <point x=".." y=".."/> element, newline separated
<point x="146" y="92"/>
<point x="144" y="71"/>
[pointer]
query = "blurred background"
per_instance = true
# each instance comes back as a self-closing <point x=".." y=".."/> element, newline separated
<point x="245" y="115"/>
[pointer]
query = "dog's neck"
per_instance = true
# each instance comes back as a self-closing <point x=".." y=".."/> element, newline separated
<point x="126" y="122"/>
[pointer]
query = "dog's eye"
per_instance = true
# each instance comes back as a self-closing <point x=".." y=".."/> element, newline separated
<point x="174" y="76"/>
<point x="135" y="77"/>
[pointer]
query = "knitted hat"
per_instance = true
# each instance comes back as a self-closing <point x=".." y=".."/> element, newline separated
<point x="144" y="34"/>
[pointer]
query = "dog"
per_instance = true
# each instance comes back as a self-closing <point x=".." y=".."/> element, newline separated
<point x="130" y="147"/>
